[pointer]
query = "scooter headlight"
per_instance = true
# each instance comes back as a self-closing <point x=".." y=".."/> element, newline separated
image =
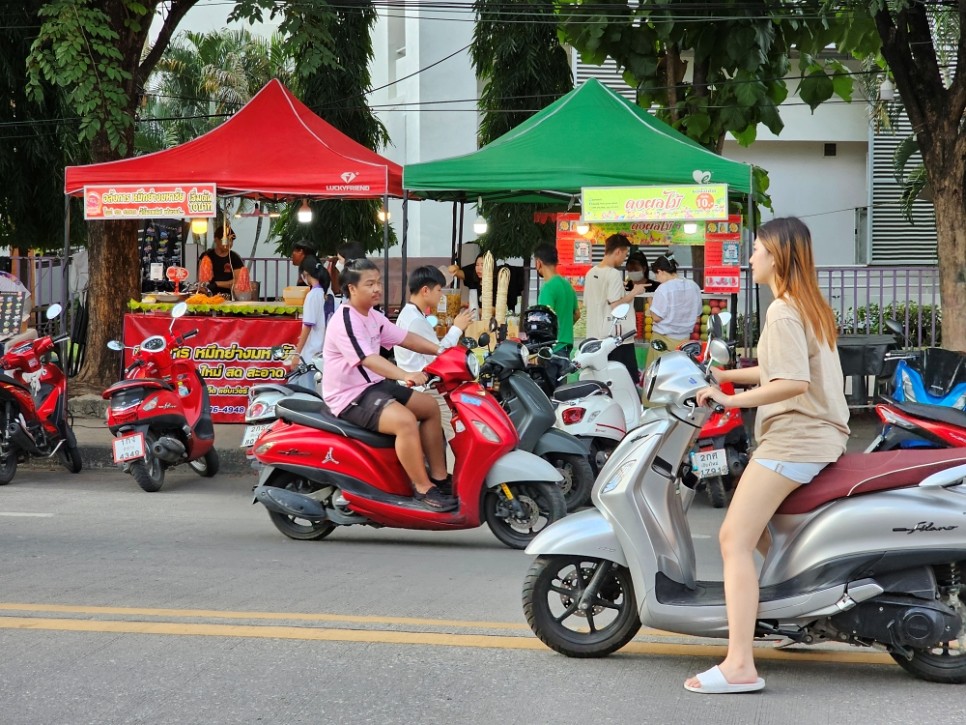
<point x="620" y="475"/>
<point x="473" y="364"/>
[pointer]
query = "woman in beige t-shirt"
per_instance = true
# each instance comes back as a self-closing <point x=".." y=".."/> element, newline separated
<point x="801" y="426"/>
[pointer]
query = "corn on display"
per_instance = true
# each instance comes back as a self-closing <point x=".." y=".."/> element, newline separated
<point x="486" y="288"/>
<point x="502" y="288"/>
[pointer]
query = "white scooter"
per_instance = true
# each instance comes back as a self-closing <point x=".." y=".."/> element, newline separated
<point x="302" y="382"/>
<point x="871" y="553"/>
<point x="605" y="404"/>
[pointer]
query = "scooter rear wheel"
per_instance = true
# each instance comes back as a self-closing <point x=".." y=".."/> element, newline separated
<point x="945" y="662"/>
<point x="538" y="506"/>
<point x="148" y="472"/>
<point x="552" y="592"/>
<point x="296" y="528"/>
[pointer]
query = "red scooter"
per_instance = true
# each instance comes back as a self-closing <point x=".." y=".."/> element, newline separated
<point x="33" y="404"/>
<point x="160" y="414"/>
<point x="918" y="425"/>
<point x="321" y="471"/>
<point x="720" y="453"/>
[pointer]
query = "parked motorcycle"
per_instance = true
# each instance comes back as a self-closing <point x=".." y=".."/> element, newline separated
<point x="260" y="414"/>
<point x="160" y="413"/>
<point x="321" y="471"/>
<point x="604" y="405"/>
<point x="914" y="425"/>
<point x="33" y="401"/>
<point x="871" y="553"/>
<point x="504" y="373"/>
<point x="720" y="454"/>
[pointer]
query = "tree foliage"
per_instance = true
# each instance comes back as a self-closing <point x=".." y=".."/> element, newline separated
<point x="523" y="68"/>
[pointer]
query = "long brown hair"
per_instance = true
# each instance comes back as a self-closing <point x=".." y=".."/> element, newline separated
<point x="789" y="242"/>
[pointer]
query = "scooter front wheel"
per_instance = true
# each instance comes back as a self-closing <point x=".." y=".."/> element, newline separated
<point x="8" y="468"/>
<point x="533" y="507"/>
<point x="552" y="594"/>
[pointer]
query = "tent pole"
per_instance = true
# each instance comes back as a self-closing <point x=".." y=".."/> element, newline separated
<point x="405" y="246"/>
<point x="749" y="283"/>
<point x="454" y="259"/>
<point x="459" y="234"/>
<point x="385" y="249"/>
<point x="64" y="295"/>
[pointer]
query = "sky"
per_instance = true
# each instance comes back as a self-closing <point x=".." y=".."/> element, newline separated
<point x="211" y="15"/>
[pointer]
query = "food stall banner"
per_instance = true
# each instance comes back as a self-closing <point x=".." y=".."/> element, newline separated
<point x="231" y="354"/>
<point x="722" y="279"/>
<point x="654" y="203"/>
<point x="149" y="201"/>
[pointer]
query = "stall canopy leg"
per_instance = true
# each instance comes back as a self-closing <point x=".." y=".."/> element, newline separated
<point x="405" y="247"/>
<point x="385" y="249"/>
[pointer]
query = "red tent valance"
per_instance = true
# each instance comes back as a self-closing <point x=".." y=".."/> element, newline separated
<point x="273" y="147"/>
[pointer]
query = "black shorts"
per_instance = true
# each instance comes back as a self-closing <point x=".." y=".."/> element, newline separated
<point x="365" y="410"/>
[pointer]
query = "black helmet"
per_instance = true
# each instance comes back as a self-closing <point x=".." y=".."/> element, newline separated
<point x="540" y="324"/>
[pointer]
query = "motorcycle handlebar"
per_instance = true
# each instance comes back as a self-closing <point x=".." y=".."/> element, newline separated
<point x="133" y="366"/>
<point x="628" y="335"/>
<point x="61" y="338"/>
<point x="187" y="335"/>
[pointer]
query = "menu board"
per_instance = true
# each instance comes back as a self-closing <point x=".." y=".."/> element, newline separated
<point x="11" y="312"/>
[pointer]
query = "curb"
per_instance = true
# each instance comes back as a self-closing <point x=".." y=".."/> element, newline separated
<point x="232" y="461"/>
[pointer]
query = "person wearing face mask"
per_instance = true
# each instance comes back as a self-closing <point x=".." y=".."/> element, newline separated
<point x="226" y="265"/>
<point x="636" y="272"/>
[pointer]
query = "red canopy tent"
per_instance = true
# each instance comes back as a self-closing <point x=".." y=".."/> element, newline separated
<point x="273" y="148"/>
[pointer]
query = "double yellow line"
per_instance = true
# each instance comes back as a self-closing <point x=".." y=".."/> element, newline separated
<point x="413" y="632"/>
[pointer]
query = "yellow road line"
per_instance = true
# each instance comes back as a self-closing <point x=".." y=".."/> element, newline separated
<point x="435" y="639"/>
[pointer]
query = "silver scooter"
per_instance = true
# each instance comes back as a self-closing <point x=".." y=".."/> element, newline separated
<point x="871" y="553"/>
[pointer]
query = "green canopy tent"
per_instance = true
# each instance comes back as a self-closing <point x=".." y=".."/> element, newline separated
<point x="590" y="137"/>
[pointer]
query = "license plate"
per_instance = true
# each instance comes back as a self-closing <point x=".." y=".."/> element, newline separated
<point x="252" y="433"/>
<point x="707" y="464"/>
<point x="128" y="448"/>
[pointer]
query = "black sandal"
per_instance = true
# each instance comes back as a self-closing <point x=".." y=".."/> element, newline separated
<point x="435" y="499"/>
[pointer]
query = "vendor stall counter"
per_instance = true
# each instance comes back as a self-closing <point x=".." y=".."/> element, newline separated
<point x="233" y="348"/>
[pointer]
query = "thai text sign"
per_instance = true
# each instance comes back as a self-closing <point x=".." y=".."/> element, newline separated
<point x="149" y="201"/>
<point x="231" y="354"/>
<point x="654" y="203"/>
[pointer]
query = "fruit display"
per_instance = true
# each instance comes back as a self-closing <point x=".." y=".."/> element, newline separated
<point x="205" y="271"/>
<point x="709" y="306"/>
<point x="200" y="298"/>
<point x="244" y="282"/>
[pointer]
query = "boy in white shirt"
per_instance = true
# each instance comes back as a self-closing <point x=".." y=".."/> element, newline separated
<point x="418" y="316"/>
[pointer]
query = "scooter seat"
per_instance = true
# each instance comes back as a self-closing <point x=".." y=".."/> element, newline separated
<point x="151" y="383"/>
<point x="583" y="389"/>
<point x="855" y="474"/>
<point x="315" y="414"/>
<point x="938" y="413"/>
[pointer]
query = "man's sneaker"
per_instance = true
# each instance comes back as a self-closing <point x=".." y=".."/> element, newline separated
<point x="445" y="486"/>
<point x="435" y="499"/>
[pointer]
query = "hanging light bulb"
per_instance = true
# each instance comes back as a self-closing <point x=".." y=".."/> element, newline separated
<point x="199" y="226"/>
<point x="690" y="228"/>
<point x="583" y="228"/>
<point x="384" y="215"/>
<point x="887" y="91"/>
<point x="304" y="213"/>
<point x="480" y="226"/>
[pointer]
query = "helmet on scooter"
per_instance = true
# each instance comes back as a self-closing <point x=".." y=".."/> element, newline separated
<point x="540" y="324"/>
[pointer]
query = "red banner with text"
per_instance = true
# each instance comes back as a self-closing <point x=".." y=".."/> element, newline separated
<point x="231" y="353"/>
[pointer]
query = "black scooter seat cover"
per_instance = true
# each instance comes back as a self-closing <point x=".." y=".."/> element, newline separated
<point x="315" y="414"/>
<point x="583" y="389"/>
<point x="154" y="383"/>
<point x="289" y="503"/>
<point x="855" y="474"/>
<point x="938" y="413"/>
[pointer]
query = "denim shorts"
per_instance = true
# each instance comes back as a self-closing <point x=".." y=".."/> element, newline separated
<point x="793" y="470"/>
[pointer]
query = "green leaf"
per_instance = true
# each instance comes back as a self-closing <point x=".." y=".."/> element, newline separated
<point x="815" y="89"/>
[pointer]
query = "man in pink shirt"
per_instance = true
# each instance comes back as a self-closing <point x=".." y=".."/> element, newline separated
<point x="361" y="386"/>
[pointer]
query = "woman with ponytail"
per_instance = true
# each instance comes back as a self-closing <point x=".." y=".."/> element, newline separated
<point x="801" y="426"/>
<point x="314" y="317"/>
<point x="675" y="306"/>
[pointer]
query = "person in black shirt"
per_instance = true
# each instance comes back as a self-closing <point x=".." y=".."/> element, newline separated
<point x="225" y="264"/>
<point x="301" y="251"/>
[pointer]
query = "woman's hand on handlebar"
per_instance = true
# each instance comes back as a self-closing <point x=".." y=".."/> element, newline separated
<point x="712" y="394"/>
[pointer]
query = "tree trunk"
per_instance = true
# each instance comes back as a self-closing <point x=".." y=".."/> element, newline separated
<point x="950" y="208"/>
<point x="111" y="285"/>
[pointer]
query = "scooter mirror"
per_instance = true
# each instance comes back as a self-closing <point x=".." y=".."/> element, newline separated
<point x="620" y="312"/>
<point x="54" y="311"/>
<point x="725" y="318"/>
<point x="658" y="345"/>
<point x="718" y="351"/>
<point x="278" y="352"/>
<point x="484" y="340"/>
<point x="895" y="328"/>
<point x="714" y="327"/>
<point x="179" y="310"/>
<point x="115" y="345"/>
<point x="469" y="343"/>
<point x="544" y="353"/>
